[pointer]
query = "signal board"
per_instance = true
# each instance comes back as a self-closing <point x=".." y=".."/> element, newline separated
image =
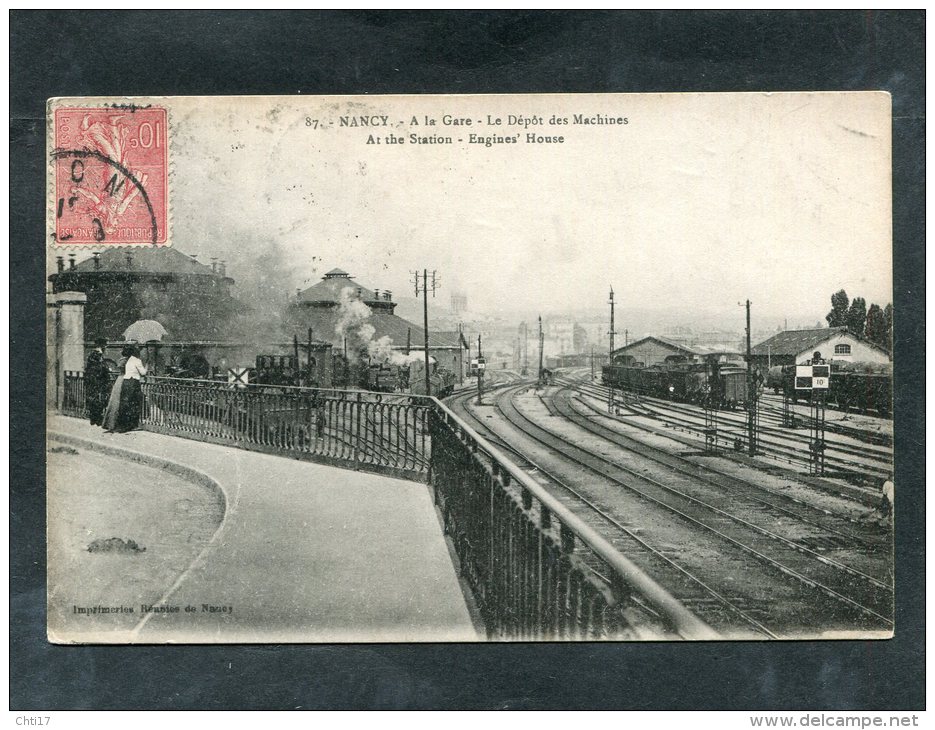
<point x="812" y="377"/>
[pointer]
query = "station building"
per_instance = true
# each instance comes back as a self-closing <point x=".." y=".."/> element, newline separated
<point x="323" y="307"/>
<point x="794" y="347"/>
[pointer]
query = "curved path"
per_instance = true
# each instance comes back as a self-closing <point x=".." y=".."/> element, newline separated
<point x="305" y="552"/>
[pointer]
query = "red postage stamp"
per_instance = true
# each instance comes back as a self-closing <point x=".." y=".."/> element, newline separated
<point x="111" y="175"/>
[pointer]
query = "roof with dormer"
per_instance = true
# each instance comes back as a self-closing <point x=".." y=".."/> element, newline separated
<point x="146" y="259"/>
<point x="329" y="289"/>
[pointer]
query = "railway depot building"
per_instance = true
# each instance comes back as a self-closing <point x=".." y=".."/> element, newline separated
<point x="323" y="308"/>
<point x="794" y="347"/>
<point x="190" y="300"/>
<point x="653" y="350"/>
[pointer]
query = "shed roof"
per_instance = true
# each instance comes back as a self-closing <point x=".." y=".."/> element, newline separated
<point x="661" y="340"/>
<point x="147" y="259"/>
<point x="793" y="342"/>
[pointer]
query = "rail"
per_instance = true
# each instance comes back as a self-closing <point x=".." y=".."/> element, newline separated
<point x="536" y="569"/>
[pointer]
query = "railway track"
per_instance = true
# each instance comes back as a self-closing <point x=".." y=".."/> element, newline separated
<point x="738" y="420"/>
<point x="875" y="438"/>
<point x="869" y="462"/>
<point x="722" y="611"/>
<point x="840" y="526"/>
<point x="750" y="534"/>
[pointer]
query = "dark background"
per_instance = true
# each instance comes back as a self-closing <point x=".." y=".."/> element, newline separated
<point x="176" y="53"/>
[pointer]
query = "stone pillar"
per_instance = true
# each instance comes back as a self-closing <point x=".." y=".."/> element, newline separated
<point x="64" y="341"/>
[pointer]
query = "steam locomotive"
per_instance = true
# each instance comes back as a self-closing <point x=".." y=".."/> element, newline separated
<point x="410" y="377"/>
<point x="723" y="385"/>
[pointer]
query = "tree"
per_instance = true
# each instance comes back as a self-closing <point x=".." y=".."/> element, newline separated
<point x="888" y="319"/>
<point x="857" y="316"/>
<point x="837" y="317"/>
<point x="875" y="328"/>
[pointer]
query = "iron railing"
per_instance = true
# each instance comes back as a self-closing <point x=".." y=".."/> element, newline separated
<point x="73" y="395"/>
<point x="380" y="432"/>
<point x="536" y="570"/>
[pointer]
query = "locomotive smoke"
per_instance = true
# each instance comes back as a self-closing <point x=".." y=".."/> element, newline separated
<point x="352" y="324"/>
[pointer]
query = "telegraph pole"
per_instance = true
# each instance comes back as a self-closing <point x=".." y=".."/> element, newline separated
<point x="480" y="373"/>
<point x="610" y="359"/>
<point x="460" y="340"/>
<point x="425" y="317"/>
<point x="541" y="342"/>
<point x="612" y="332"/>
<point x="751" y="393"/>
<point x="525" y="370"/>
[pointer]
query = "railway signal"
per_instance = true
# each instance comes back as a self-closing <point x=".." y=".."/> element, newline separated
<point x="751" y="393"/>
<point x="481" y="367"/>
<point x="815" y="377"/>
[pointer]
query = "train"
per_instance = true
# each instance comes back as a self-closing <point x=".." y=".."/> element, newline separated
<point x="857" y="386"/>
<point x="287" y="370"/>
<point x="723" y="385"/>
<point x="409" y="377"/>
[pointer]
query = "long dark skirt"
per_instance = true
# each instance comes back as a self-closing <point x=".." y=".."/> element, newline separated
<point x="113" y="405"/>
<point x="96" y="395"/>
<point x="131" y="405"/>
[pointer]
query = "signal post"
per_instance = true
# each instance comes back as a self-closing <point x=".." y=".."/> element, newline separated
<point x="815" y="377"/>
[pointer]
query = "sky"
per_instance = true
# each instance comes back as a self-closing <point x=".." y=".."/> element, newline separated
<point x="697" y="203"/>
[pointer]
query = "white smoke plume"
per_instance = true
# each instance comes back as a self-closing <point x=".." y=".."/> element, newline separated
<point x="352" y="324"/>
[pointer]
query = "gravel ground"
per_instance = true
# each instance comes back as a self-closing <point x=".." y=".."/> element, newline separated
<point x="747" y="583"/>
<point x="786" y="483"/>
<point x="93" y="498"/>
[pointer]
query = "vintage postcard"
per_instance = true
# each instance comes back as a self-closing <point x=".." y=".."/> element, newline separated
<point x="470" y="368"/>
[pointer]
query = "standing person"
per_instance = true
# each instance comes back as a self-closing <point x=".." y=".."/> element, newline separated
<point x="113" y="403"/>
<point x="96" y="383"/>
<point x="131" y="392"/>
<point x="887" y="497"/>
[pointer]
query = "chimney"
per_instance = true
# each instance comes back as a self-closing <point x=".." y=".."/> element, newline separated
<point x="71" y="262"/>
<point x="97" y="259"/>
<point x="388" y="295"/>
<point x="60" y="262"/>
<point x="376" y="294"/>
<point x="222" y="268"/>
<point x="129" y="260"/>
<point x="214" y="265"/>
<point x="358" y="292"/>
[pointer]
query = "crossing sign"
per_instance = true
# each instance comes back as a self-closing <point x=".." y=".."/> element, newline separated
<point x="238" y="377"/>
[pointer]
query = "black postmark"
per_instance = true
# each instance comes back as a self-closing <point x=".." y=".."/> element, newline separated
<point x="77" y="175"/>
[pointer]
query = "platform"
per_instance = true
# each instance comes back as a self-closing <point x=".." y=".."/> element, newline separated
<point x="299" y="552"/>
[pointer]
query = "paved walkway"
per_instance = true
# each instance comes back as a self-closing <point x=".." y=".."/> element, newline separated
<point x="304" y="553"/>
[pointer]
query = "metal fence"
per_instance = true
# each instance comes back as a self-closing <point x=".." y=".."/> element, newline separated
<point x="380" y="432"/>
<point x="537" y="571"/>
